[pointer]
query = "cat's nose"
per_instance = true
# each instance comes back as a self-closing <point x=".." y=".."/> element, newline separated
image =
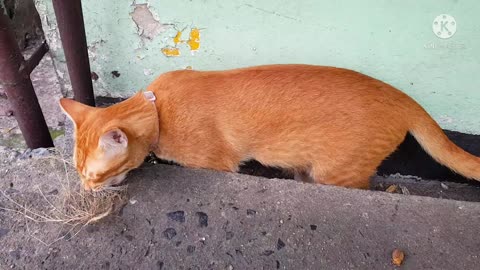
<point x="87" y="186"/>
<point x="97" y="188"/>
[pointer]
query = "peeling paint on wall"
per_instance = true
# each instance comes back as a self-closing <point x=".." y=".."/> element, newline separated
<point x="169" y="51"/>
<point x="148" y="27"/>
<point x="147" y="71"/>
<point x="92" y="49"/>
<point x="178" y="38"/>
<point x="194" y="41"/>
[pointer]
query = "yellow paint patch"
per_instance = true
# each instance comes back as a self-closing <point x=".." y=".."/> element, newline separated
<point x="194" y="41"/>
<point x="189" y="68"/>
<point x="171" y="52"/>
<point x="178" y="38"/>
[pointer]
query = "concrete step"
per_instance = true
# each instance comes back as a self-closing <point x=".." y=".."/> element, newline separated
<point x="181" y="218"/>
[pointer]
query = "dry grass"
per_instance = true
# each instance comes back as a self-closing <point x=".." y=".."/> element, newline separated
<point x="73" y="206"/>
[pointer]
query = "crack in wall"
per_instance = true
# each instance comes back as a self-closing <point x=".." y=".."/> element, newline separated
<point x="271" y="12"/>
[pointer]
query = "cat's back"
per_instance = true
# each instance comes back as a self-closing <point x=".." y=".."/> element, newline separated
<point x="281" y="84"/>
<point x="265" y="75"/>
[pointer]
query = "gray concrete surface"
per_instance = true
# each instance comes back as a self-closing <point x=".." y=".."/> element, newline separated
<point x="198" y="219"/>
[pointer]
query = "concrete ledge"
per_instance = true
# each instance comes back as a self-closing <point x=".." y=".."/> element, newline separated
<point x="197" y="219"/>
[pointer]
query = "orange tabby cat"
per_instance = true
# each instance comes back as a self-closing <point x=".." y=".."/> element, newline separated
<point x="333" y="125"/>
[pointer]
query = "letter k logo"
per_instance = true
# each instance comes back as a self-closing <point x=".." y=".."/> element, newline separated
<point x="444" y="26"/>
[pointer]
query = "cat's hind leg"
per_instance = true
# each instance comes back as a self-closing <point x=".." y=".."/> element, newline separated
<point x="349" y="176"/>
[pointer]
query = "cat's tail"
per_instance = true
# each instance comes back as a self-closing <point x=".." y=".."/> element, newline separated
<point x="432" y="138"/>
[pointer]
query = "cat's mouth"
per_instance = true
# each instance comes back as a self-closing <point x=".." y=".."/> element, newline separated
<point x="119" y="186"/>
<point x="111" y="183"/>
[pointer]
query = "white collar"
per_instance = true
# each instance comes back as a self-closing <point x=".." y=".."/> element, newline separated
<point x="150" y="96"/>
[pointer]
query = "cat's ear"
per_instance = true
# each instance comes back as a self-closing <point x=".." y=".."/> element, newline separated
<point x="113" y="141"/>
<point x="76" y="111"/>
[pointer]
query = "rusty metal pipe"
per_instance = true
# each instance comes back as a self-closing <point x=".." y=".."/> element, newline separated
<point x="72" y="33"/>
<point x="28" y="65"/>
<point x="19" y="89"/>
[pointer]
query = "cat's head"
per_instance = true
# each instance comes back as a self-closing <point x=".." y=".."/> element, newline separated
<point x="106" y="144"/>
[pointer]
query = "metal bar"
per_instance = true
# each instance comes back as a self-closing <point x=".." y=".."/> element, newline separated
<point x="28" y="65"/>
<point x="19" y="90"/>
<point x="72" y="33"/>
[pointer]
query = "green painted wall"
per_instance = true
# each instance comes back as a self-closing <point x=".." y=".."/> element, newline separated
<point x="390" y="40"/>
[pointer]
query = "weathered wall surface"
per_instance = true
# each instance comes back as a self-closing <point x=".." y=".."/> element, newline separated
<point x="24" y="19"/>
<point x="131" y="42"/>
